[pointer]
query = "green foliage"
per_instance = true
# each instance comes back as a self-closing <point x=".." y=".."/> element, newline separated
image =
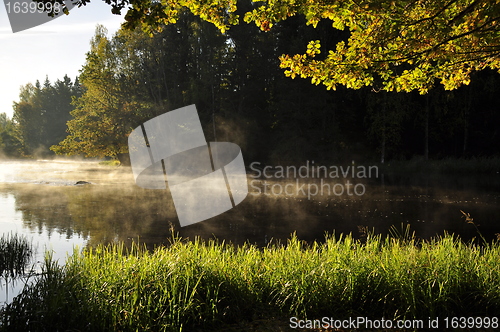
<point x="41" y="114"/>
<point x="133" y="77"/>
<point x="242" y="96"/>
<point x="199" y="284"/>
<point x="93" y="129"/>
<point x="9" y="144"/>
<point x="394" y="45"/>
<point x="397" y="46"/>
<point x="154" y="14"/>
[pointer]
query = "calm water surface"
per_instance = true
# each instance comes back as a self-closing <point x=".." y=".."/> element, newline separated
<point x="42" y="200"/>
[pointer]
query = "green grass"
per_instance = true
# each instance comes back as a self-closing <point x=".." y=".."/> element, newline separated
<point x="208" y="285"/>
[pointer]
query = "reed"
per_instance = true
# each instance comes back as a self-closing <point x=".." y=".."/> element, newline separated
<point x="16" y="252"/>
<point x="209" y="284"/>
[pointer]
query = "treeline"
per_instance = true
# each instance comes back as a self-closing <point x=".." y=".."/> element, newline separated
<point x="9" y="144"/>
<point x="40" y="118"/>
<point x="243" y="96"/>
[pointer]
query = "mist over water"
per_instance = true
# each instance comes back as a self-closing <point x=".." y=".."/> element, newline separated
<point x="65" y="204"/>
<point x="43" y="200"/>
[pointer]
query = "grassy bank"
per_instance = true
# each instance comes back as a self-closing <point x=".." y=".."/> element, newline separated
<point x="208" y="285"/>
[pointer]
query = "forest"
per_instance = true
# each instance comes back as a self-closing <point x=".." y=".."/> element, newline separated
<point x="236" y="79"/>
<point x="407" y="86"/>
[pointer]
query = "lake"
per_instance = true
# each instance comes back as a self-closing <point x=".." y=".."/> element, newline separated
<point x="41" y="200"/>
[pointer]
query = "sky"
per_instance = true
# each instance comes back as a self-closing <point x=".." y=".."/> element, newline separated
<point x="53" y="49"/>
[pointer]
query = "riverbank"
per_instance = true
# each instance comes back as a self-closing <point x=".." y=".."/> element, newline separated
<point x="211" y="286"/>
